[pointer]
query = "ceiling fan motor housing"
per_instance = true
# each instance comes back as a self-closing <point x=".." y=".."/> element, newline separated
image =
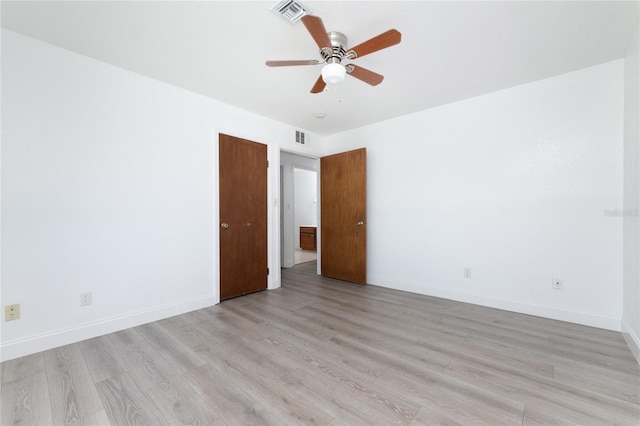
<point x="339" y="48"/>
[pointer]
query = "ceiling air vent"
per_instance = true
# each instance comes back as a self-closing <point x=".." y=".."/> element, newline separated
<point x="291" y="10"/>
<point x="301" y="137"/>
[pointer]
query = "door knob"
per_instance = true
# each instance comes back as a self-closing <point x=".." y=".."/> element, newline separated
<point x="360" y="223"/>
<point x="224" y="225"/>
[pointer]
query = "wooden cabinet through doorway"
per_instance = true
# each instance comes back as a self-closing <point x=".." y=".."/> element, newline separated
<point x="308" y="238"/>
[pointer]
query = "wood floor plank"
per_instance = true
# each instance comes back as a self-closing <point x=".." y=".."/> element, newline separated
<point x="180" y="356"/>
<point x="267" y="389"/>
<point x="175" y="399"/>
<point x="384" y="399"/>
<point x="560" y="328"/>
<point x="367" y="334"/>
<point x="23" y="367"/>
<point x="589" y="352"/>
<point x="184" y="328"/>
<point x="344" y="360"/>
<point x="426" y="383"/>
<point x="292" y="321"/>
<point x="339" y="400"/>
<point x="126" y="403"/>
<point x="287" y="301"/>
<point x="255" y="355"/>
<point x="72" y="392"/>
<point x="447" y="400"/>
<point x="97" y="419"/>
<point x="311" y="338"/>
<point x="234" y="325"/>
<point x="483" y="355"/>
<point x="433" y="415"/>
<point x="102" y="359"/>
<point x="551" y="412"/>
<point x="25" y="401"/>
<point x="622" y="386"/>
<point x="232" y="403"/>
<point x="225" y="325"/>
<point x="537" y="392"/>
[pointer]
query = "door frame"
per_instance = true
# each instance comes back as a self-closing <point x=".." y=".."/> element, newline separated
<point x="215" y="211"/>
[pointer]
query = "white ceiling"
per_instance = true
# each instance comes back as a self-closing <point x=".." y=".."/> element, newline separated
<point x="450" y="50"/>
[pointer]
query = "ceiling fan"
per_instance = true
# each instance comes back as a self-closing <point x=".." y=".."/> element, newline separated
<point x="333" y="51"/>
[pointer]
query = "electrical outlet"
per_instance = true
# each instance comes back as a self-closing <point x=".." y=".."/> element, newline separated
<point x="85" y="298"/>
<point x="467" y="272"/>
<point x="12" y="312"/>
<point x="557" y="284"/>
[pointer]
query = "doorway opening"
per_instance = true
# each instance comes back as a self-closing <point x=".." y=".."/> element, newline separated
<point x="299" y="209"/>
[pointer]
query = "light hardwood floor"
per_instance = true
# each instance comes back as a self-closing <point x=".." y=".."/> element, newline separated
<point x="319" y="351"/>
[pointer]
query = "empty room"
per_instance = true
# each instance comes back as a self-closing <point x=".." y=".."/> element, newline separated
<point x="320" y="212"/>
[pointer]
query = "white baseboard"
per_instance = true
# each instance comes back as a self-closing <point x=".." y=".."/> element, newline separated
<point x="633" y="340"/>
<point x="591" y="319"/>
<point x="33" y="344"/>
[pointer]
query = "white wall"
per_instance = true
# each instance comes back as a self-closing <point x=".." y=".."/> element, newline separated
<point x="289" y="163"/>
<point x="631" y="309"/>
<point x="305" y="200"/>
<point x="109" y="184"/>
<point x="513" y="185"/>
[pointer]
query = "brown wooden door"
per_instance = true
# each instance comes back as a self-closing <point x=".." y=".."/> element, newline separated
<point x="343" y="222"/>
<point x="243" y="216"/>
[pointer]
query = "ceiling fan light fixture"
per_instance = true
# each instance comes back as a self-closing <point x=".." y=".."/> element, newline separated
<point x="333" y="73"/>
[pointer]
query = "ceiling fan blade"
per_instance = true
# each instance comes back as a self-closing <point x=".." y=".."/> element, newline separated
<point x="382" y="41"/>
<point x="317" y="30"/>
<point x="291" y="63"/>
<point x="364" y="74"/>
<point x="319" y="86"/>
